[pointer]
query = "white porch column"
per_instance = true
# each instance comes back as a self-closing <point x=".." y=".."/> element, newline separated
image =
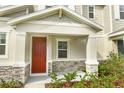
<point x="20" y="48"/>
<point x="91" y="55"/>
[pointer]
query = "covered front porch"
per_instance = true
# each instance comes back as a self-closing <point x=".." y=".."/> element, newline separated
<point x="55" y="40"/>
<point x="58" y="52"/>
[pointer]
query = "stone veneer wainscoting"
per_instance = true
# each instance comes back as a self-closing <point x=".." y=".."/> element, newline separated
<point x="63" y="66"/>
<point x="15" y="72"/>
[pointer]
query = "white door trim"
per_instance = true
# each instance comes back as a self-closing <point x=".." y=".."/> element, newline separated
<point x="38" y="35"/>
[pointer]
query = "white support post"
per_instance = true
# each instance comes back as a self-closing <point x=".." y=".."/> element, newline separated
<point x="20" y="48"/>
<point x="91" y="56"/>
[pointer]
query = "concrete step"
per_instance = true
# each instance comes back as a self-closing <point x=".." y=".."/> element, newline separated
<point x="35" y="85"/>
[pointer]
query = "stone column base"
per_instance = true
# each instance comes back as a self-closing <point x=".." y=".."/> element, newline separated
<point x="92" y="67"/>
<point x="20" y="73"/>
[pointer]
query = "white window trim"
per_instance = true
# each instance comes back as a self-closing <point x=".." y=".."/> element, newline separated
<point x="6" y="48"/>
<point x="93" y="11"/>
<point x="68" y="48"/>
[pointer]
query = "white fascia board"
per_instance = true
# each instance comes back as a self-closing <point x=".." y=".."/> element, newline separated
<point x="116" y="34"/>
<point x="7" y="9"/>
<point x="83" y="19"/>
<point x="32" y="15"/>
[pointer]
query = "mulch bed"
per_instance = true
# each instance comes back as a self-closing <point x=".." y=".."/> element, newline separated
<point x="63" y="85"/>
<point x="87" y="84"/>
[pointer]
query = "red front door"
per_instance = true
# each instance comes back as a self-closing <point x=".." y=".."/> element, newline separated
<point x="38" y="55"/>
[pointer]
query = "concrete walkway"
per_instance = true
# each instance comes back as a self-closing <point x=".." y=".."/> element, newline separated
<point x="39" y="81"/>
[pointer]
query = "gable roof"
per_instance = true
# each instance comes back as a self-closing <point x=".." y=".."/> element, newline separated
<point x="54" y="10"/>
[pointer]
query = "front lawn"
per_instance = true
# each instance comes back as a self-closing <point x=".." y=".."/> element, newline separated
<point x="111" y="75"/>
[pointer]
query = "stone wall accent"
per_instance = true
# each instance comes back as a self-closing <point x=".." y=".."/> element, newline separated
<point x="27" y="72"/>
<point x="63" y="66"/>
<point x="13" y="72"/>
<point x="92" y="68"/>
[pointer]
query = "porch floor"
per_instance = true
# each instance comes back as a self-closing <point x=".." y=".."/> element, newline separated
<point x="39" y="81"/>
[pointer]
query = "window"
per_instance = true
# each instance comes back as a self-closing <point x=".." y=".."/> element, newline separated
<point x="3" y="44"/>
<point x="62" y="49"/>
<point x="65" y="6"/>
<point x="121" y="11"/>
<point x="49" y="6"/>
<point x="120" y="44"/>
<point x="91" y="10"/>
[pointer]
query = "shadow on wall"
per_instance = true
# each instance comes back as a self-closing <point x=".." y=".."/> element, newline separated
<point x="99" y="56"/>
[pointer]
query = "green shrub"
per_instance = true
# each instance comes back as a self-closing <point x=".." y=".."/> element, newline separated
<point x="79" y="84"/>
<point x="70" y="76"/>
<point x="15" y="84"/>
<point x="111" y="75"/>
<point x="11" y="84"/>
<point x="112" y="66"/>
<point x="54" y="80"/>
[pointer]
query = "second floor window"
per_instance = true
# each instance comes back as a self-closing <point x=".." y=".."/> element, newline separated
<point x="49" y="6"/>
<point x="91" y="10"/>
<point x="121" y="11"/>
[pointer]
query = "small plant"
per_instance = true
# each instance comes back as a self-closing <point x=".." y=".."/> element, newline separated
<point x="79" y="84"/>
<point x="3" y="84"/>
<point x="15" y="84"/>
<point x="10" y="84"/>
<point x="70" y="76"/>
<point x="54" y="80"/>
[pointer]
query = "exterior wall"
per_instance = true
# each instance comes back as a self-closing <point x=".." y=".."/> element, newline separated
<point x="54" y="29"/>
<point x="83" y="10"/>
<point x="77" y="47"/>
<point x="78" y="9"/>
<point x="10" y="60"/>
<point x="99" y="14"/>
<point x="117" y="23"/>
<point x="100" y="48"/>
